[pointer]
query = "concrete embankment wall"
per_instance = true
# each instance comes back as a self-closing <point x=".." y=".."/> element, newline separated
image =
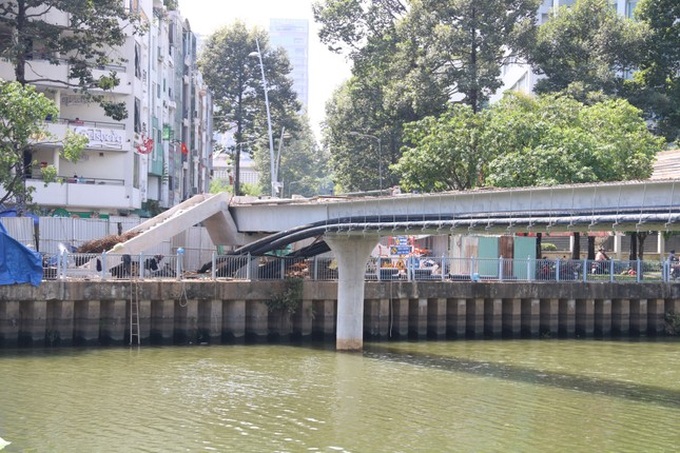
<point x="74" y="313"/>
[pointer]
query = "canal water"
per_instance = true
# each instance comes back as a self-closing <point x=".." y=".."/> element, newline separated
<point x="456" y="396"/>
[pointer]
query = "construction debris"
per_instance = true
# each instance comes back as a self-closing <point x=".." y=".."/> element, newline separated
<point x="104" y="244"/>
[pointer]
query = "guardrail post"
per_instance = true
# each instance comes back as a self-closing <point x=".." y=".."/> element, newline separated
<point x="213" y="264"/>
<point x="529" y="276"/>
<point x="104" y="267"/>
<point x="638" y="275"/>
<point x="141" y="269"/>
<point x="249" y="263"/>
<point x="283" y="267"/>
<point x="611" y="270"/>
<point x="377" y="271"/>
<point x="61" y="261"/>
<point x="500" y="268"/>
<point x="316" y="267"/>
<point x="444" y="267"/>
<point x="557" y="269"/>
<point x="585" y="269"/>
<point x="180" y="262"/>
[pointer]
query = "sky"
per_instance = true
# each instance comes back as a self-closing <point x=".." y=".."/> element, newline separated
<point x="326" y="70"/>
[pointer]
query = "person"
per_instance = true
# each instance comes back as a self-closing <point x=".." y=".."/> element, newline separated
<point x="673" y="264"/>
<point x="153" y="264"/>
<point x="124" y="269"/>
<point x="599" y="264"/>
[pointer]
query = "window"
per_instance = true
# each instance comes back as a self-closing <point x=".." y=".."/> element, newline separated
<point x="138" y="116"/>
<point x="138" y="62"/>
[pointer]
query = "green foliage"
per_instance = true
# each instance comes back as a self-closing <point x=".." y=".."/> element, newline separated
<point x="655" y="88"/>
<point x="22" y="123"/>
<point x="557" y="140"/>
<point x="587" y="44"/>
<point x="548" y="247"/>
<point x="303" y="165"/>
<point x="464" y="43"/>
<point x="254" y="190"/>
<point x="219" y="186"/>
<point x="171" y="4"/>
<point x="288" y="301"/>
<point x="450" y="153"/>
<point x="83" y="44"/>
<point x="232" y="71"/>
<point x="411" y="58"/>
<point x="525" y="141"/>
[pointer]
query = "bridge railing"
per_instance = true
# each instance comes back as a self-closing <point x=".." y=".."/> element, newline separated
<point x="107" y="266"/>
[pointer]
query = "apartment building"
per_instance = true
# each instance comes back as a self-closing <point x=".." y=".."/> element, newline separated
<point x="156" y="157"/>
<point x="518" y="75"/>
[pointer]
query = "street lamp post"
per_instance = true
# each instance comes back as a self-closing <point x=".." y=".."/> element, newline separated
<point x="269" y="121"/>
<point x="359" y="134"/>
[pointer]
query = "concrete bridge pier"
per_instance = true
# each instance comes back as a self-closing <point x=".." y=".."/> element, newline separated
<point x="352" y="253"/>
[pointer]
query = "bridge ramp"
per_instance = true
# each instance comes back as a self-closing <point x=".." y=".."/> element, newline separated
<point x="211" y="209"/>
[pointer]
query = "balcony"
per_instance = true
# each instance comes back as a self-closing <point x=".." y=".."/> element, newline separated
<point x="104" y="135"/>
<point x="91" y="193"/>
<point x="37" y="69"/>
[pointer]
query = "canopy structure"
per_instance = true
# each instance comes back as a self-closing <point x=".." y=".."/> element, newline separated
<point x="18" y="263"/>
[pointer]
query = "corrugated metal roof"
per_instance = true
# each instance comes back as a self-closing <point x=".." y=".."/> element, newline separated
<point x="667" y="165"/>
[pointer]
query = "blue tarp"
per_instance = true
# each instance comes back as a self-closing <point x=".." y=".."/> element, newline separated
<point x="13" y="213"/>
<point x="18" y="263"/>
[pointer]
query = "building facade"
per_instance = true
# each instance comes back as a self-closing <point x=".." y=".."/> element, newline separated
<point x="293" y="36"/>
<point x="153" y="159"/>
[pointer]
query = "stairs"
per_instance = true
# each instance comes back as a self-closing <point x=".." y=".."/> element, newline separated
<point x="212" y="209"/>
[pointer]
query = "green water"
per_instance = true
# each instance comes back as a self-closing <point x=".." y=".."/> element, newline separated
<point x="458" y="396"/>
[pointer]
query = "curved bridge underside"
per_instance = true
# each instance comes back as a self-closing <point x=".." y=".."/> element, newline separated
<point x="429" y="224"/>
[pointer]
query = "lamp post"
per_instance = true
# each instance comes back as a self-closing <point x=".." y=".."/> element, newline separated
<point x="359" y="134"/>
<point x="269" y="120"/>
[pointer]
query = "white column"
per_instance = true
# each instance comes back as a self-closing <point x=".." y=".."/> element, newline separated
<point x="351" y="253"/>
<point x="617" y="246"/>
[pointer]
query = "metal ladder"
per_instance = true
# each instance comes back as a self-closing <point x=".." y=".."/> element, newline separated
<point x="134" y="316"/>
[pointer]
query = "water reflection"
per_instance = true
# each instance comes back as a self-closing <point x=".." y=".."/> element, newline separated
<point x="602" y="385"/>
<point x="396" y="397"/>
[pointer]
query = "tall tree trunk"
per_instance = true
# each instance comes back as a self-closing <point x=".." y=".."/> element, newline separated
<point x="539" y="252"/>
<point x="591" y="247"/>
<point x="473" y="91"/>
<point x="641" y="244"/>
<point x="24" y="43"/>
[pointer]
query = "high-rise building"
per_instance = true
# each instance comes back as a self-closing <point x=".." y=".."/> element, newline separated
<point x="293" y="36"/>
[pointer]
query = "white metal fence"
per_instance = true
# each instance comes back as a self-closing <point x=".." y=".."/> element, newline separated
<point x="246" y="267"/>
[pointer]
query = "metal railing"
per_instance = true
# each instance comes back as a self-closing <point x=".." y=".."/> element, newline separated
<point x="107" y="266"/>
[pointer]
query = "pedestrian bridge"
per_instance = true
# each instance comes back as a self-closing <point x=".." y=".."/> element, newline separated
<point x="353" y="225"/>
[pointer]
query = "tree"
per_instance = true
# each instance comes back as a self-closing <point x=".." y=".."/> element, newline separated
<point x="558" y="140"/>
<point x="464" y="43"/>
<point x="450" y="153"/>
<point x="22" y="124"/>
<point x="303" y="165"/>
<point x="655" y="88"/>
<point x="412" y="59"/>
<point x="525" y="141"/>
<point x="586" y="47"/>
<point x="83" y="44"/>
<point x="232" y="71"/>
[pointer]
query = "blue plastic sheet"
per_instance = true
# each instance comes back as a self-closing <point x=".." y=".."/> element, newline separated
<point x="18" y="263"/>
